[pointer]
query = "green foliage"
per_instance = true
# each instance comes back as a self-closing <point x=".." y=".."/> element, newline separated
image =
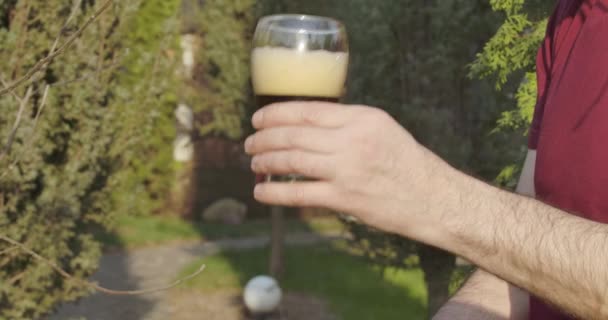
<point x="510" y="56"/>
<point x="526" y="101"/>
<point x="459" y="277"/>
<point x="146" y="95"/>
<point x="102" y="141"/>
<point x="137" y="231"/>
<point x="58" y="183"/>
<point x="512" y="49"/>
<point x="508" y="177"/>
<point x="353" y="289"/>
<point x="222" y="80"/>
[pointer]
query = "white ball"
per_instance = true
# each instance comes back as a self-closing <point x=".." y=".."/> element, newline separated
<point x="262" y="294"/>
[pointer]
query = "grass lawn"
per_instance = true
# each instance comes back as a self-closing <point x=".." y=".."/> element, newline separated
<point x="137" y="231"/>
<point x="354" y="289"/>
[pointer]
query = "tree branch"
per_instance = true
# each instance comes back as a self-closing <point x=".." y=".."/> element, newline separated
<point x="93" y="285"/>
<point x="11" y="136"/>
<point x="53" y="54"/>
<point x="18" y="157"/>
<point x="31" y="137"/>
<point x="8" y="250"/>
<point x="12" y="92"/>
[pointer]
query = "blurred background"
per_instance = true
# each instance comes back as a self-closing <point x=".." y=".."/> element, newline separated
<point x="121" y="153"/>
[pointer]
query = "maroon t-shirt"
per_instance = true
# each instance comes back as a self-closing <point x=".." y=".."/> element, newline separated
<point x="570" y="127"/>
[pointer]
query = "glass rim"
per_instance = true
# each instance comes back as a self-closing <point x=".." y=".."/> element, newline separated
<point x="337" y="26"/>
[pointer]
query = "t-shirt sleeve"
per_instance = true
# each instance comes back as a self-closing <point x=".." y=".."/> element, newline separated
<point x="543" y="72"/>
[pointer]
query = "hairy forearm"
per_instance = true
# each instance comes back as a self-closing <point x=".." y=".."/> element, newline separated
<point x="485" y="297"/>
<point x="552" y="254"/>
<point x="481" y="298"/>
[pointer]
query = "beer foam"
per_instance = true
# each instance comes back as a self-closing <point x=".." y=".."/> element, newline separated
<point x="289" y="72"/>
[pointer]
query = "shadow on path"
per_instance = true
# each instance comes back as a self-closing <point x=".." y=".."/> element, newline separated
<point x="154" y="267"/>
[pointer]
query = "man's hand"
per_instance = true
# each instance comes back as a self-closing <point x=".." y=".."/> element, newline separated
<point x="362" y="162"/>
<point x="367" y="165"/>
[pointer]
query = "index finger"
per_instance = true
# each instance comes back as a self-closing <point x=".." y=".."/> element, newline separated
<point x="319" y="114"/>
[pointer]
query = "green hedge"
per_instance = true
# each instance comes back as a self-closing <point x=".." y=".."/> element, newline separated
<point x="104" y="119"/>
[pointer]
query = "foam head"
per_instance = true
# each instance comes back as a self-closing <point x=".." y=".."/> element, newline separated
<point x="291" y="72"/>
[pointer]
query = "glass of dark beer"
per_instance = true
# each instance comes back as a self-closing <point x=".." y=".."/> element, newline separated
<point x="298" y="58"/>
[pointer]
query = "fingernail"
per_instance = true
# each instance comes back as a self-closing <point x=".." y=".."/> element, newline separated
<point x="257" y="190"/>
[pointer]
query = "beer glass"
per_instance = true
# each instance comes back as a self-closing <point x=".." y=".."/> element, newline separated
<point x="298" y="58"/>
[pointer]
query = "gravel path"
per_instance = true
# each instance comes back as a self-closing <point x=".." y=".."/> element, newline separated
<point x="154" y="267"/>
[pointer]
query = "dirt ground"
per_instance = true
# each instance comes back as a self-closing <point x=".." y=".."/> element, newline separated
<point x="227" y="305"/>
<point x="156" y="266"/>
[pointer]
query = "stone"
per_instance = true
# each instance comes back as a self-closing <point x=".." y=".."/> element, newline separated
<point x="189" y="44"/>
<point x="227" y="210"/>
<point x="185" y="117"/>
<point x="183" y="149"/>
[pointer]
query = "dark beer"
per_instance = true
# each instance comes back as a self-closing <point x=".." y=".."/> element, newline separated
<point x="264" y="100"/>
<point x="283" y="75"/>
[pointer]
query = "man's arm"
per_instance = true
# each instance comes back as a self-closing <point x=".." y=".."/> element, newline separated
<point x="484" y="296"/>
<point x="363" y="162"/>
<point x="552" y="254"/>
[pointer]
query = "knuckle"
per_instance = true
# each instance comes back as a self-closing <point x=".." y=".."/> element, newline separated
<point x="294" y="162"/>
<point x="292" y="137"/>
<point x="345" y="195"/>
<point x="301" y="165"/>
<point x="308" y="169"/>
<point x="368" y="120"/>
<point x="358" y="108"/>
<point x="298" y="196"/>
<point x="273" y="163"/>
<point x="379" y="117"/>
<point x="366" y="144"/>
<point x="311" y="115"/>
